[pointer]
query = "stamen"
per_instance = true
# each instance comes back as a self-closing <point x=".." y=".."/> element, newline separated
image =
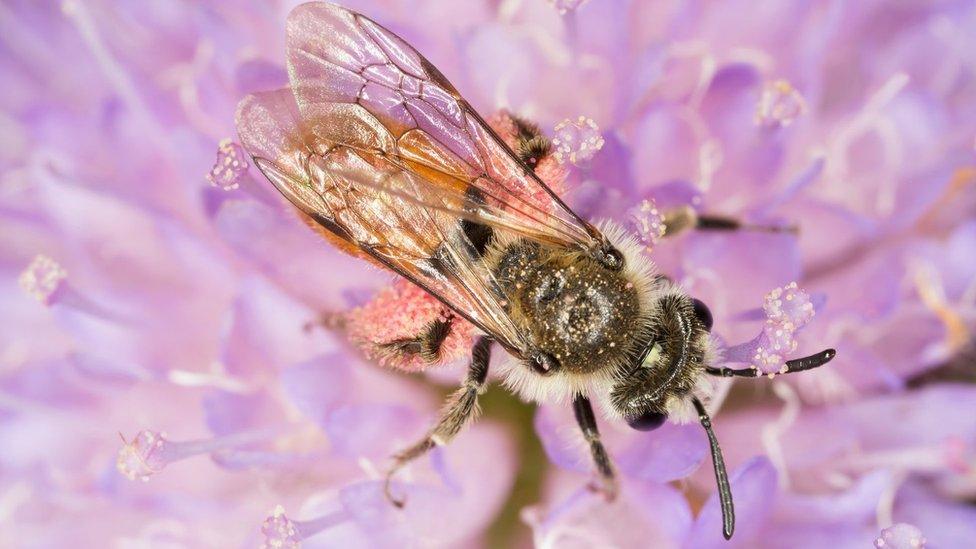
<point x="780" y="105"/>
<point x="789" y="305"/>
<point x="42" y="278"/>
<point x="647" y="222"/>
<point x="787" y="310"/>
<point x="281" y="532"/>
<point x="150" y="452"/>
<point x="230" y="166"/>
<point x="576" y="140"/>
<point x="564" y="6"/>
<point x="900" y="536"/>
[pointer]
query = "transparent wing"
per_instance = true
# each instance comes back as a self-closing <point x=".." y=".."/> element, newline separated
<point x="363" y="198"/>
<point x="360" y="85"/>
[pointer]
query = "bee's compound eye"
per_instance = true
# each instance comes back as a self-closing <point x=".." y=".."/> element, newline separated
<point x="703" y="314"/>
<point x="648" y="421"/>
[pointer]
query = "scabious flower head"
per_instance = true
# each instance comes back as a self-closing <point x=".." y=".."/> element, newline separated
<point x="152" y="282"/>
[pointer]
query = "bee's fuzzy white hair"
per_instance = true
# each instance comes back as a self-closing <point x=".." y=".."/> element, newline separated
<point x="562" y="387"/>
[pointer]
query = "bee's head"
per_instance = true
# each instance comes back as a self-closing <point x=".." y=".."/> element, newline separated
<point x="670" y="364"/>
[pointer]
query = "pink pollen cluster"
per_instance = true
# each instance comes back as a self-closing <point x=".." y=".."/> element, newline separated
<point x="789" y="305"/>
<point x="577" y="141"/>
<point x="900" y="536"/>
<point x="403" y="311"/>
<point x="549" y="169"/>
<point x="230" y="166"/>
<point x="787" y="310"/>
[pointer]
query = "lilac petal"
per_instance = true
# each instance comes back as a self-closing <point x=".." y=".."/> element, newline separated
<point x="752" y="263"/>
<point x="318" y="386"/>
<point x="665" y="454"/>
<point x="669" y="453"/>
<point x="257" y="75"/>
<point x="858" y="504"/>
<point x="480" y="469"/>
<point x="665" y="149"/>
<point x="645" y="514"/>
<point x="844" y="535"/>
<point x="751" y="156"/>
<point x="914" y="418"/>
<point x="945" y="523"/>
<point x="370" y="430"/>
<point x="674" y="193"/>
<point x="561" y="439"/>
<point x="228" y="413"/>
<point x="754" y="488"/>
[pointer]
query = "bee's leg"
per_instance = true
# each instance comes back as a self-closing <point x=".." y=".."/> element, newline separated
<point x="461" y="407"/>
<point x="684" y="218"/>
<point x="330" y="321"/>
<point x="796" y="365"/>
<point x="587" y="422"/>
<point x="427" y="344"/>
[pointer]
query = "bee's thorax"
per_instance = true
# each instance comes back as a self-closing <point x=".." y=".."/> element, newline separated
<point x="574" y="308"/>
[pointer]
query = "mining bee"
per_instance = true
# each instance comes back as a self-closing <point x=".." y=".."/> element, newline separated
<point x="381" y="154"/>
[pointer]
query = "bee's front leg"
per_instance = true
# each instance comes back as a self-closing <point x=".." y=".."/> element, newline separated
<point x="607" y="484"/>
<point x="460" y="408"/>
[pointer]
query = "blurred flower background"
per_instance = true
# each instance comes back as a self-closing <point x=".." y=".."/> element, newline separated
<point x="152" y="284"/>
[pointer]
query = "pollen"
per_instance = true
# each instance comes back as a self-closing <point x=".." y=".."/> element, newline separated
<point x="230" y="166"/>
<point x="647" y="222"/>
<point x="143" y="457"/>
<point x="779" y="105"/>
<point x="577" y="141"/>
<point x="280" y="532"/>
<point x="42" y="278"/>
<point x="404" y="311"/>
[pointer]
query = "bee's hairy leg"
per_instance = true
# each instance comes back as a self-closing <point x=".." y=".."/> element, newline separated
<point x="427" y="344"/>
<point x="331" y="321"/>
<point x="461" y="407"/>
<point x="587" y="421"/>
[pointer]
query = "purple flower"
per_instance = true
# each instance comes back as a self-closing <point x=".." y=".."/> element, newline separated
<point x="152" y="283"/>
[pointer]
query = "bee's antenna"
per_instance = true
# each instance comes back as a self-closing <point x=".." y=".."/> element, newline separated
<point x="721" y="475"/>
<point x="795" y="365"/>
<point x="719" y="223"/>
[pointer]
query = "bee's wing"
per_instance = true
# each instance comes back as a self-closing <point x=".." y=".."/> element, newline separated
<point x="360" y="85"/>
<point x="339" y="189"/>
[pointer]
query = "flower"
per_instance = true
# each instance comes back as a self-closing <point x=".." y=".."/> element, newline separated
<point x="153" y="283"/>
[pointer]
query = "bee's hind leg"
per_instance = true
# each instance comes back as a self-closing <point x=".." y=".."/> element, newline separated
<point x="587" y="421"/>
<point x="460" y="408"/>
<point x="426" y="345"/>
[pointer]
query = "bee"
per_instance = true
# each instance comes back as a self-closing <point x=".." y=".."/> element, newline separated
<point x="380" y="153"/>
